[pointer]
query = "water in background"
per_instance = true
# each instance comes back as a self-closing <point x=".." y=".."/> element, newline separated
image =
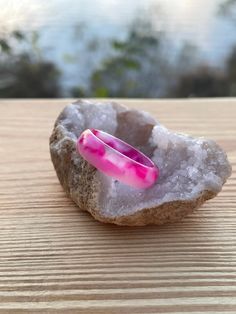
<point x="63" y="26"/>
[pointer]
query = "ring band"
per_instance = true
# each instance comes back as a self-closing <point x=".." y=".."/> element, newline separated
<point x="117" y="159"/>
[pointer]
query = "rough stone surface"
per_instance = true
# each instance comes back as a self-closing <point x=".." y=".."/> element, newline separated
<point x="191" y="170"/>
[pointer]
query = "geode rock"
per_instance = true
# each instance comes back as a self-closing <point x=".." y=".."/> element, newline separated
<point x="191" y="170"/>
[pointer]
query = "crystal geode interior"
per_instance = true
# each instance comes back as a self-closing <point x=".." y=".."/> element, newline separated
<point x="188" y="166"/>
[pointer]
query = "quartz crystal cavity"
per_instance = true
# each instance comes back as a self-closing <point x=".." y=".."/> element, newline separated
<point x="192" y="170"/>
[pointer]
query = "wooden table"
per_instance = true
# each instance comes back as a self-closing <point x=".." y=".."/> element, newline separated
<point x="54" y="258"/>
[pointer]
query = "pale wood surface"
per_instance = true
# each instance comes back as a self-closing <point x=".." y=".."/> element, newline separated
<point x="54" y="258"/>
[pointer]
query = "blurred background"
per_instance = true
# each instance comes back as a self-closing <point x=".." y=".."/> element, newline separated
<point x="117" y="48"/>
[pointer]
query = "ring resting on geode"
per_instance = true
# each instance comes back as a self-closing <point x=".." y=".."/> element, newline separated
<point x="117" y="159"/>
<point x="192" y="170"/>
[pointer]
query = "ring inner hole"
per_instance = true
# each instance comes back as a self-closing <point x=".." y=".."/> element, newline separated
<point x="123" y="148"/>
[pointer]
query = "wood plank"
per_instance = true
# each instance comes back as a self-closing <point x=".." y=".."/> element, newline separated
<point x="56" y="259"/>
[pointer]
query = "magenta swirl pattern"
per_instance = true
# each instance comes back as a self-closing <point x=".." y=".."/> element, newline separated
<point x="117" y="159"/>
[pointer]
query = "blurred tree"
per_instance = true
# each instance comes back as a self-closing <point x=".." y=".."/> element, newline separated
<point x="23" y="72"/>
<point x="6" y="42"/>
<point x="228" y="9"/>
<point x="231" y="72"/>
<point x="202" y="82"/>
<point x="78" y="91"/>
<point x="24" y="77"/>
<point x="137" y="67"/>
<point x="89" y="49"/>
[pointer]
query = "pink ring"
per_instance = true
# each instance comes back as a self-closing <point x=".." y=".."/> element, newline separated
<point x="117" y="159"/>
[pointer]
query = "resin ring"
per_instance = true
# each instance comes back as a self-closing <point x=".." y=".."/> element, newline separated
<point x="117" y="159"/>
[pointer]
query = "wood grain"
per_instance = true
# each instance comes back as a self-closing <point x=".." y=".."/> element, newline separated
<point x="54" y="258"/>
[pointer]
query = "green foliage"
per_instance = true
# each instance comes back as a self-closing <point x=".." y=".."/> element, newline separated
<point x="119" y="45"/>
<point x="7" y="43"/>
<point x="25" y="74"/>
<point x="101" y="92"/>
<point x="5" y="47"/>
<point x="137" y="66"/>
<point x="78" y="92"/>
<point x="18" y="35"/>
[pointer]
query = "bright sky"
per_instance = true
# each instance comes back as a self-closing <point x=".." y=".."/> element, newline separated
<point x="195" y="14"/>
<point x="193" y="20"/>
